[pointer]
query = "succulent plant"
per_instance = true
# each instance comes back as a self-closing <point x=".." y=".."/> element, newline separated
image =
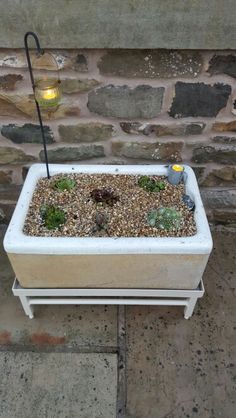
<point x="164" y="218"/>
<point x="101" y="220"/>
<point x="104" y="195"/>
<point x="150" y="184"/>
<point x="64" y="183"/>
<point x="52" y="216"/>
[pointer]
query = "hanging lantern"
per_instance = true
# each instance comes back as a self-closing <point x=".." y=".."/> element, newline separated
<point x="47" y="93"/>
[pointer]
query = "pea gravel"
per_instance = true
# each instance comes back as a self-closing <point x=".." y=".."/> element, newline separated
<point x="126" y="218"/>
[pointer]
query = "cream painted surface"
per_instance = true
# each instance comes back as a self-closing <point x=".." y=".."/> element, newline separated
<point x="166" y="271"/>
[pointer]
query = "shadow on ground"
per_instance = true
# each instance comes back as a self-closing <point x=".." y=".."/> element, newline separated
<point x="66" y="358"/>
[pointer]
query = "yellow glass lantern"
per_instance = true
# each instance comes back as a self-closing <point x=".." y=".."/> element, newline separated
<point x="47" y="93"/>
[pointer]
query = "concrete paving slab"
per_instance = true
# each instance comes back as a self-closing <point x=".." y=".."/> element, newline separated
<point x="61" y="385"/>
<point x="179" y="368"/>
<point x="63" y="326"/>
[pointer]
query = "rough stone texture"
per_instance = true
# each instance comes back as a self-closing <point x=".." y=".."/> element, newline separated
<point x="8" y="81"/>
<point x="28" y="133"/>
<point x="199" y="99"/>
<point x="85" y="132"/>
<point x="124" y="102"/>
<point x="217" y="154"/>
<point x="65" y="60"/>
<point x="151" y="64"/>
<point x="219" y="198"/>
<point x="194" y="128"/>
<point x="166" y="152"/>
<point x="60" y="384"/>
<point x="10" y="192"/>
<point x="224" y="217"/>
<point x="74" y="85"/>
<point x="5" y="177"/>
<point x="83" y="152"/>
<point x="224" y="126"/>
<point x="9" y="155"/>
<point x="136" y="24"/>
<point x="224" y="139"/>
<point x="220" y="177"/>
<point x="223" y="64"/>
<point x="186" y="369"/>
<point x="24" y="106"/>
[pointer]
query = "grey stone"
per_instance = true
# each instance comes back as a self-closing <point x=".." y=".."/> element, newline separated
<point x="75" y="85"/>
<point x="85" y="132"/>
<point x="60" y="385"/>
<point x="223" y="64"/>
<point x="83" y="152"/>
<point x="166" y="152"/>
<point x="224" y="217"/>
<point x="27" y="133"/>
<point x="8" y="81"/>
<point x="125" y="102"/>
<point x="217" y="154"/>
<point x="9" y="155"/>
<point x="199" y="99"/>
<point x="193" y="128"/>
<point x="137" y="24"/>
<point x="219" y="198"/>
<point x="199" y="172"/>
<point x="224" y="139"/>
<point x="9" y="192"/>
<point x="220" y="177"/>
<point x="151" y="63"/>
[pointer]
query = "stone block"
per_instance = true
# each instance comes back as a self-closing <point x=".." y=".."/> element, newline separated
<point x="3" y="217"/>
<point x="124" y="102"/>
<point x="5" y="177"/>
<point x="192" y="128"/>
<point x="65" y="60"/>
<point x="223" y="64"/>
<point x="157" y="63"/>
<point x="166" y="152"/>
<point x="66" y="384"/>
<point x="9" y="155"/>
<point x="224" y="217"/>
<point x="24" y="106"/>
<point x="27" y="133"/>
<point x="83" y="152"/>
<point x="199" y="99"/>
<point x="224" y="139"/>
<point x="8" y="81"/>
<point x="224" y="126"/>
<point x="219" y="198"/>
<point x="75" y="85"/>
<point x="85" y="132"/>
<point x="216" y="154"/>
<point x="220" y="177"/>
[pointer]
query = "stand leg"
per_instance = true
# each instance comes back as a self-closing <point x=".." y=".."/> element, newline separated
<point x="189" y="308"/>
<point x="26" y="306"/>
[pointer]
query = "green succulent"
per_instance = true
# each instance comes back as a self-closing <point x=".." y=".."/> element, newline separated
<point x="64" y="183"/>
<point x="52" y="216"/>
<point x="164" y="218"/>
<point x="150" y="184"/>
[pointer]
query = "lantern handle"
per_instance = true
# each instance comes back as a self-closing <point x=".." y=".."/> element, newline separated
<point x="41" y="52"/>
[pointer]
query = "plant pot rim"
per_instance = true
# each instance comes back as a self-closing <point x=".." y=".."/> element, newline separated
<point x="17" y="242"/>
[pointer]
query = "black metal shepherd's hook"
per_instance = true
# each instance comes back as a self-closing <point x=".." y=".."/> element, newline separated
<point x="40" y="52"/>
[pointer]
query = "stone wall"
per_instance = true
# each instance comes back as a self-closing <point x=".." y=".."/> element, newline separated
<point x="126" y="107"/>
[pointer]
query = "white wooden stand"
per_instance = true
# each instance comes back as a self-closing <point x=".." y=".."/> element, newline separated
<point x="30" y="297"/>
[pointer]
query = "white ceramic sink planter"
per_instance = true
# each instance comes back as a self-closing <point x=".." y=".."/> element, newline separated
<point x="107" y="267"/>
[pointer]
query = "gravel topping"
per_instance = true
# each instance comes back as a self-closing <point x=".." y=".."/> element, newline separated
<point x="127" y="217"/>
